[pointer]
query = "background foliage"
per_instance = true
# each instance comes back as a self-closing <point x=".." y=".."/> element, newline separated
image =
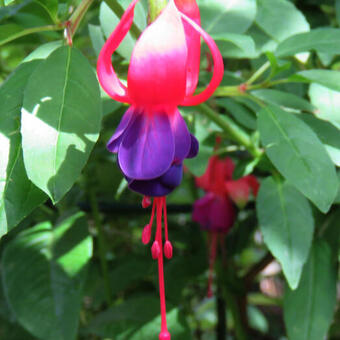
<point x="72" y="264"/>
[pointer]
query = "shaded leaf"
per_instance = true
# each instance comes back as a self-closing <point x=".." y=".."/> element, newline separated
<point x="308" y="311"/>
<point x="138" y="319"/>
<point x="280" y="19"/>
<point x="328" y="134"/>
<point x="328" y="103"/>
<point x="325" y="40"/>
<point x="287" y="225"/>
<point x="109" y="20"/>
<point x="234" y="45"/>
<point x="240" y="113"/>
<point x="18" y="195"/>
<point x="283" y="99"/>
<point x="97" y="38"/>
<point x="327" y="78"/>
<point x="51" y="6"/>
<point x="52" y="262"/>
<point x="298" y="154"/>
<point x="218" y="16"/>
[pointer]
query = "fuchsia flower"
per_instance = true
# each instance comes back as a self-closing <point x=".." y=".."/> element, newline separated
<point x="215" y="211"/>
<point x="152" y="139"/>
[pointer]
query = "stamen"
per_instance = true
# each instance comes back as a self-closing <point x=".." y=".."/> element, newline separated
<point x="155" y="250"/>
<point x="168" y="249"/>
<point x="164" y="334"/>
<point x="146" y="233"/>
<point x="146" y="202"/>
<point x="167" y="244"/>
<point x="212" y="258"/>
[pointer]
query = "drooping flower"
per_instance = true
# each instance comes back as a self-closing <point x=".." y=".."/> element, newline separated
<point x="152" y="139"/>
<point x="215" y="211"/>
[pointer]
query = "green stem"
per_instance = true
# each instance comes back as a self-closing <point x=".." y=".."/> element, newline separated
<point x="155" y="7"/>
<point x="101" y="243"/>
<point x="224" y="91"/>
<point x="234" y="307"/>
<point x="232" y="129"/>
<point x="78" y="15"/>
<point x="31" y="31"/>
<point x="258" y="73"/>
<point x="117" y="9"/>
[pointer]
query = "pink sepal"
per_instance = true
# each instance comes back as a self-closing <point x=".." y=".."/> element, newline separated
<point x="106" y="74"/>
<point x="218" y="67"/>
<point x="157" y="71"/>
<point x="190" y="9"/>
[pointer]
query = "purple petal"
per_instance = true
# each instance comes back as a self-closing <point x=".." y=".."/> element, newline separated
<point x="160" y="186"/>
<point x="214" y="213"/>
<point x="194" y="147"/>
<point x="181" y="136"/>
<point x="152" y="187"/>
<point x="116" y="139"/>
<point x="147" y="149"/>
<point x="201" y="211"/>
<point x="173" y="177"/>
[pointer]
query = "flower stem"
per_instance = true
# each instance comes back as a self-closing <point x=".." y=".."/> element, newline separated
<point x="258" y="73"/>
<point x="101" y="243"/>
<point x="78" y="15"/>
<point x="155" y="7"/>
<point x="231" y="128"/>
<point x="31" y="31"/>
<point x="117" y="9"/>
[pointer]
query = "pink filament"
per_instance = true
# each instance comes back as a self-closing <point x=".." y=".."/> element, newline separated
<point x="164" y="334"/>
<point x="212" y="258"/>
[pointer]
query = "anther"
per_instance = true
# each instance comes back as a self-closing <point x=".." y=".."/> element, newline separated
<point x="146" y="234"/>
<point x="155" y="250"/>
<point x="164" y="335"/>
<point x="146" y="202"/>
<point x="168" y="249"/>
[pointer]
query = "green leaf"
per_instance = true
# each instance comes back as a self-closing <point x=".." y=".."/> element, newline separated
<point x="283" y="99"/>
<point x="328" y="103"/>
<point x="240" y="113"/>
<point x="298" y="154"/>
<point x="9" y="32"/>
<point x="287" y="225"/>
<point x="109" y="20"/>
<point x="325" y="40"/>
<point x="51" y="6"/>
<point x="308" y="311"/>
<point x="44" y="271"/>
<point x="280" y="19"/>
<point x="234" y="45"/>
<point x="327" y="78"/>
<point x="220" y="16"/>
<point x="337" y="9"/>
<point x="18" y="195"/>
<point x="60" y="120"/>
<point x="97" y="38"/>
<point x="138" y="319"/>
<point x="330" y="232"/>
<point x="43" y="51"/>
<point x="328" y="134"/>
<point x="198" y="164"/>
<point x="127" y="272"/>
